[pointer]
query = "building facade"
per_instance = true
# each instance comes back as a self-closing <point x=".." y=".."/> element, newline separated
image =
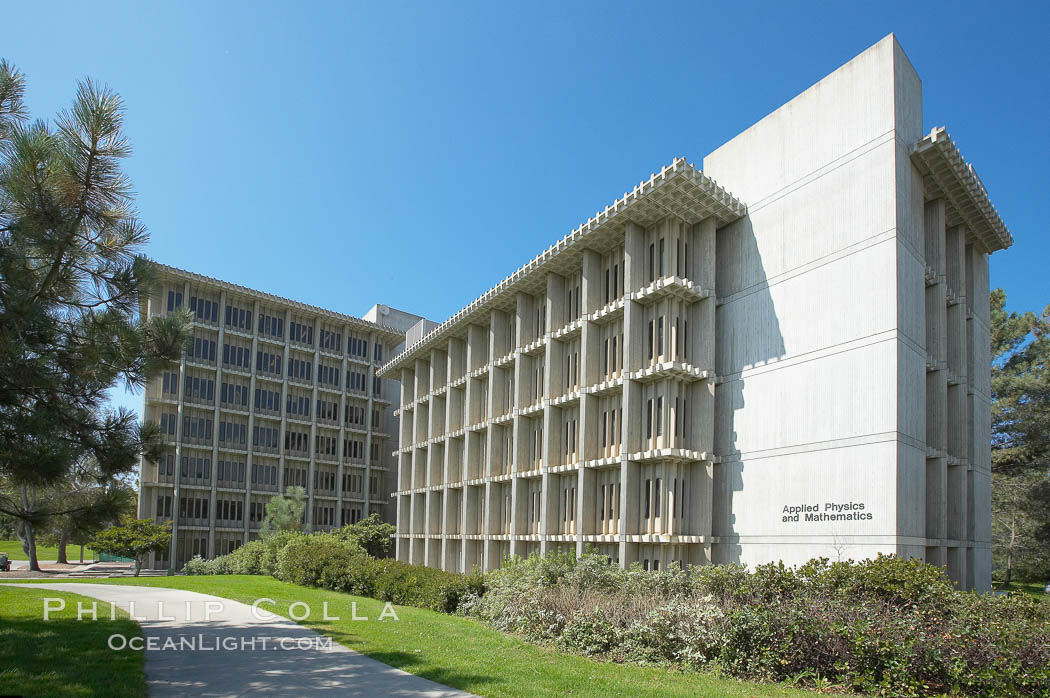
<point x="797" y="368"/>
<point x="272" y="394"/>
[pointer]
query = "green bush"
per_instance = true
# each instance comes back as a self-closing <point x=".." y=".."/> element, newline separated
<point x="246" y="559"/>
<point x="885" y="626"/>
<point x="272" y="547"/>
<point x="371" y="533"/>
<point x="423" y="587"/>
<point x="196" y="565"/>
<point x="319" y="560"/>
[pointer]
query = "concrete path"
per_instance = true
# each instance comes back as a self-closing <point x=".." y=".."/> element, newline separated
<point x="286" y="660"/>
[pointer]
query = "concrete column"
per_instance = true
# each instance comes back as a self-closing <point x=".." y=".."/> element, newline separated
<point x="284" y="402"/>
<point x="343" y="374"/>
<point x="369" y="387"/>
<point x="634" y="278"/>
<point x="251" y="426"/>
<point x="215" y="419"/>
<point x="312" y="467"/>
<point x="177" y="493"/>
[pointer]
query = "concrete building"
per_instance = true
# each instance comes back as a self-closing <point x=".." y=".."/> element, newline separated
<point x="274" y="393"/>
<point x="797" y="368"/>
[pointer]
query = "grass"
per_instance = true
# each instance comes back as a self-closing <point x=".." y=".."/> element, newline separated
<point x="460" y="652"/>
<point x="1031" y="588"/>
<point x="63" y="656"/>
<point x="13" y="548"/>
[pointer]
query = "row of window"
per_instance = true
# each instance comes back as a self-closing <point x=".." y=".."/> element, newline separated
<point x="229" y="510"/>
<point x="241" y="318"/>
<point x="203" y="350"/>
<point x="298" y="332"/>
<point x="267" y="400"/>
<point x="230" y="471"/>
<point x="238" y="318"/>
<point x="204" y="309"/>
<point x="233" y="432"/>
<point x="193" y="466"/>
<point x="193" y="508"/>
<point x="233" y="509"/>
<point x="237" y="356"/>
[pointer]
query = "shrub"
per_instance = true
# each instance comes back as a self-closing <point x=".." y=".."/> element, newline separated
<point x="244" y="560"/>
<point x="272" y="546"/>
<point x="247" y="559"/>
<point x="371" y="533"/>
<point x="885" y="626"/>
<point x="320" y="560"/>
<point x="196" y="565"/>
<point x="424" y="587"/>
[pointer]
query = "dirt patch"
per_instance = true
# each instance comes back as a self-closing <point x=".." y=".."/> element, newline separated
<point x="26" y="574"/>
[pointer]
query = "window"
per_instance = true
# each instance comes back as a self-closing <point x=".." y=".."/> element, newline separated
<point x="298" y="332"/>
<point x="238" y="318"/>
<point x="268" y="362"/>
<point x="330" y="341"/>
<point x="204" y="309"/>
<point x="271" y="326"/>
<point x="647" y="498"/>
<point x="649" y="419"/>
<point x="203" y="349"/>
<point x="174" y="300"/>
<point x="650" y="340"/>
<point x="652" y="262"/>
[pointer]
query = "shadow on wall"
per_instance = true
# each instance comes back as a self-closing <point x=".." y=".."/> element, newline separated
<point x="748" y="334"/>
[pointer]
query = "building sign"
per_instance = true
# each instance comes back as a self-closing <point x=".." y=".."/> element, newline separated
<point x="827" y="511"/>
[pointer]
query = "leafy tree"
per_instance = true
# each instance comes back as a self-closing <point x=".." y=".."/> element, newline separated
<point x="136" y="538"/>
<point x="1020" y="440"/>
<point x="70" y="285"/>
<point x="371" y="533"/>
<point x="284" y="513"/>
<point x="100" y="506"/>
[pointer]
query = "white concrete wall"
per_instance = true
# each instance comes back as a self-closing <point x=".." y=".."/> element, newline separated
<point x="821" y="326"/>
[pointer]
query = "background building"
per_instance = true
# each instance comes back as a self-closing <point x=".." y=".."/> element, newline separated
<point x="273" y="393"/>
<point x="796" y="369"/>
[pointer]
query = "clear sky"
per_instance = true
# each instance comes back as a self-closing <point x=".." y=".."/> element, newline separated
<point x="363" y="136"/>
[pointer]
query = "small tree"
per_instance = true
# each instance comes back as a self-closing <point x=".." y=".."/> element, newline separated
<point x="136" y="539"/>
<point x="284" y="512"/>
<point x="371" y="533"/>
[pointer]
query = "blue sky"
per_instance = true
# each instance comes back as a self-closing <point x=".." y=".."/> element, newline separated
<point x="373" y="133"/>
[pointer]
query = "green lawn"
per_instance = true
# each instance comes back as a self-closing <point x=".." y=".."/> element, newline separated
<point x="463" y="653"/>
<point x="13" y="548"/>
<point x="1030" y="588"/>
<point x="63" y="656"/>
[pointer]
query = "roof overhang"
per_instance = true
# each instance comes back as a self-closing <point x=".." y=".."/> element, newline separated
<point x="678" y="189"/>
<point x="949" y="177"/>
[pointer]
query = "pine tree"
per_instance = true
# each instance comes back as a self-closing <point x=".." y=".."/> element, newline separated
<point x="70" y="282"/>
<point x="284" y="512"/>
<point x="1020" y="440"/>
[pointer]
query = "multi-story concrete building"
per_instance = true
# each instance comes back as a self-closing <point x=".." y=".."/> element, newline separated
<point x="273" y="394"/>
<point x="797" y="368"/>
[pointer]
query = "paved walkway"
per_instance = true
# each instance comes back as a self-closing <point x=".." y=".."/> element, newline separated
<point x="281" y="669"/>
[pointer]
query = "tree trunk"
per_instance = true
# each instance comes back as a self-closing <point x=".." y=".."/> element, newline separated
<point x="137" y="566"/>
<point x="34" y="564"/>
<point x="63" y="540"/>
<point x="1010" y="548"/>
<point x="29" y="543"/>
<point x="82" y="552"/>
